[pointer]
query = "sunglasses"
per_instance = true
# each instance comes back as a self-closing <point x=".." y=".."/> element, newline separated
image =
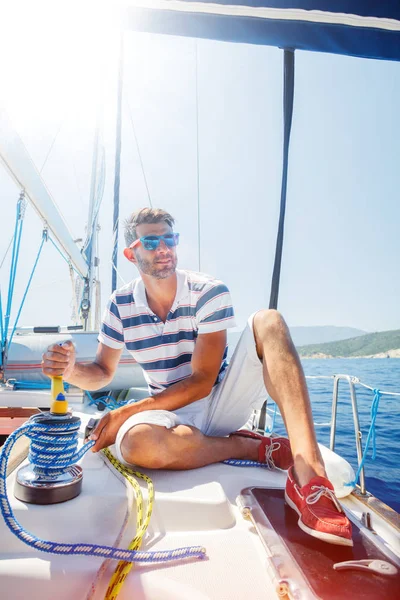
<point x="151" y="242"/>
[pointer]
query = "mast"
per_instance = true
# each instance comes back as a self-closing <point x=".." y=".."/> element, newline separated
<point x="117" y="170"/>
<point x="90" y="250"/>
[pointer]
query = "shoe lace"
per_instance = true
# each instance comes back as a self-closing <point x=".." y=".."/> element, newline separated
<point x="321" y="490"/>
<point x="269" y="450"/>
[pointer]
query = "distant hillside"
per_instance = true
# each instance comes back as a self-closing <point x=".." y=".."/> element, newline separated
<point x="303" y="336"/>
<point x="307" y="335"/>
<point x="365" y="345"/>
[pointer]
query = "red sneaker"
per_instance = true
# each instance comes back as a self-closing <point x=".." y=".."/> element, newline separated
<point x="320" y="513"/>
<point x="274" y="451"/>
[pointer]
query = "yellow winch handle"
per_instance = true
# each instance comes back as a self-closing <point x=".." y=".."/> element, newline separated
<point x="59" y="405"/>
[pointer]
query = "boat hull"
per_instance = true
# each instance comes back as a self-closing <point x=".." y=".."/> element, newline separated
<point x="25" y="357"/>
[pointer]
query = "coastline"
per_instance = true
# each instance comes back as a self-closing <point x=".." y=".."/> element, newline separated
<point x="388" y="354"/>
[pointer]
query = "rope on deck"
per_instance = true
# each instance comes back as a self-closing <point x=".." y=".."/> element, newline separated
<point x="54" y="449"/>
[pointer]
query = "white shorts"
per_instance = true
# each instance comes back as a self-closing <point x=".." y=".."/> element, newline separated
<point x="226" y="409"/>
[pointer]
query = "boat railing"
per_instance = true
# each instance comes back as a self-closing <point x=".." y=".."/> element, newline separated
<point x="357" y="431"/>
<point x="356" y="422"/>
<point x="352" y="382"/>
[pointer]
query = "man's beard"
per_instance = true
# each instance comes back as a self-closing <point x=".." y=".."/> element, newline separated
<point x="150" y="267"/>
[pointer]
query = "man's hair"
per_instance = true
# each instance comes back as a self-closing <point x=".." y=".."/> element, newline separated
<point x="145" y="215"/>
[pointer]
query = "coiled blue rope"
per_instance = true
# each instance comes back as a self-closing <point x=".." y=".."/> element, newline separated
<point x="53" y="450"/>
<point x="371" y="436"/>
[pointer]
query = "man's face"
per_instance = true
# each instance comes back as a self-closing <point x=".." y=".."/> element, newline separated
<point x="161" y="262"/>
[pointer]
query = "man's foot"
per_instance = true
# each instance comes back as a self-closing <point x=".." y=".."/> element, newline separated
<point x="274" y="451"/>
<point x="320" y="513"/>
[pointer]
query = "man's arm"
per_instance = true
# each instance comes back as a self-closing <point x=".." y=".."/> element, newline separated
<point x="206" y="363"/>
<point x="61" y="360"/>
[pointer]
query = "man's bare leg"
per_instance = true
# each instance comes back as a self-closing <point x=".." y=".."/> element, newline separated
<point x="185" y="447"/>
<point x="182" y="447"/>
<point x="286" y="384"/>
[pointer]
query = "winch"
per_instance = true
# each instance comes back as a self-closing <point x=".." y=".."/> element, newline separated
<point x="49" y="477"/>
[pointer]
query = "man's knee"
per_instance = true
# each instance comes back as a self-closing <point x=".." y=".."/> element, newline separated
<point x="269" y="323"/>
<point x="144" y="445"/>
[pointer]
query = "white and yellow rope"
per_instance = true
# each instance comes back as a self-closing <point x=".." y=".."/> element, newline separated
<point x="142" y="522"/>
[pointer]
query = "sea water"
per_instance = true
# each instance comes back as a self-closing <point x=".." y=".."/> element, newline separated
<point x="383" y="473"/>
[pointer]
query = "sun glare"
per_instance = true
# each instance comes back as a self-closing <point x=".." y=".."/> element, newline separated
<point x="58" y="60"/>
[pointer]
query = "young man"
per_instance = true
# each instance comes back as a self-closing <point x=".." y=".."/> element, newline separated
<point x="174" y="324"/>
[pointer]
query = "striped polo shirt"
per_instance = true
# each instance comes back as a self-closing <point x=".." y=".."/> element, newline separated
<point x="164" y="350"/>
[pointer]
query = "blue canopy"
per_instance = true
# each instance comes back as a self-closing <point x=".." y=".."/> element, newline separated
<point x="364" y="28"/>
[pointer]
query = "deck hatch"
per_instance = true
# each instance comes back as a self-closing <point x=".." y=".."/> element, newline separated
<point x="302" y="565"/>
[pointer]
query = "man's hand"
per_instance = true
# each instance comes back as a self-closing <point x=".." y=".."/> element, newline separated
<point x="59" y="360"/>
<point x="107" y="428"/>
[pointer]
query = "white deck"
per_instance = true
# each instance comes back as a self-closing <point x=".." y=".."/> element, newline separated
<point x="195" y="507"/>
<point x="191" y="508"/>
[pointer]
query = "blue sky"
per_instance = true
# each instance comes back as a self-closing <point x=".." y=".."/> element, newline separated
<point x="342" y="246"/>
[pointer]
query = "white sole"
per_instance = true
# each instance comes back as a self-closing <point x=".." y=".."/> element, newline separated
<point x="330" y="538"/>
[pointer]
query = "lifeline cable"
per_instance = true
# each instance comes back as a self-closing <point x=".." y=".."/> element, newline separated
<point x="52" y="454"/>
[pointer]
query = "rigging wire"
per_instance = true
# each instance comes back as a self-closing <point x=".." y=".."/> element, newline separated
<point x="67" y="259"/>
<point x="117" y="272"/>
<point x="1" y="329"/>
<point x="44" y="239"/>
<point x="19" y="221"/>
<point x="354" y="380"/>
<point x="8" y="248"/>
<point x="76" y="181"/>
<point x="197" y="151"/>
<point x="51" y="146"/>
<point x="138" y="151"/>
